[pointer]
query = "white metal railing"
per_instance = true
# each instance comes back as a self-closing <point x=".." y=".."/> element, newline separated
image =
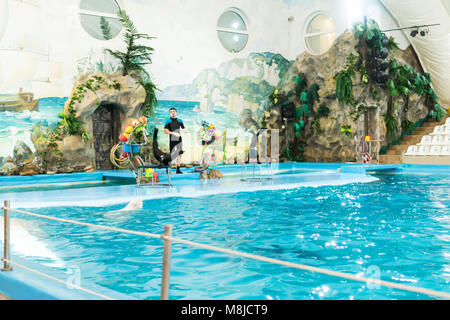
<point x="168" y="239"/>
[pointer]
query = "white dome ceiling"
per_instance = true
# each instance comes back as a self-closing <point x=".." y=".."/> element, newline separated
<point x="433" y="50"/>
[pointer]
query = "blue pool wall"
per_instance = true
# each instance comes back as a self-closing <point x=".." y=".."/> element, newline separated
<point x="24" y="285"/>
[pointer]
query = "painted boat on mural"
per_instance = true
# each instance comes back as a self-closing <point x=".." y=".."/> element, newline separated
<point x="22" y="101"/>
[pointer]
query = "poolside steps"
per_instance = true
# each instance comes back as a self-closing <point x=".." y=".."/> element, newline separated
<point x="397" y="150"/>
<point x="394" y="154"/>
<point x="391" y="159"/>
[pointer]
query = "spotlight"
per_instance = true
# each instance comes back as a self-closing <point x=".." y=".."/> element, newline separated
<point x="423" y="33"/>
<point x="414" y="33"/>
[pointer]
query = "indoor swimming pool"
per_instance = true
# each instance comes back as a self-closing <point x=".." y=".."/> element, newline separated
<point x="393" y="226"/>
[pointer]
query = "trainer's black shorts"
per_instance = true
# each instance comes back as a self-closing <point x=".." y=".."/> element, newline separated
<point x="176" y="149"/>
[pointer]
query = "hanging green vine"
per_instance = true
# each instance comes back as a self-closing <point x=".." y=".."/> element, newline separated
<point x="408" y="127"/>
<point x="344" y="80"/>
<point x="69" y="123"/>
<point x="150" y="102"/>
<point x="305" y="98"/>
<point x="391" y="127"/>
<point x="402" y="81"/>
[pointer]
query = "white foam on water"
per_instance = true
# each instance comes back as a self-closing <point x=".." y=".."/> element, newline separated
<point x="25" y="244"/>
<point x="13" y="135"/>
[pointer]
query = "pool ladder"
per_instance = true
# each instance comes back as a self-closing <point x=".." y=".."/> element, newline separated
<point x="257" y="176"/>
<point x="153" y="183"/>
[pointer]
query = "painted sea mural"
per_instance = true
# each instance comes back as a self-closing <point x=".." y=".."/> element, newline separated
<point x="231" y="97"/>
<point x="47" y="45"/>
<point x="17" y="126"/>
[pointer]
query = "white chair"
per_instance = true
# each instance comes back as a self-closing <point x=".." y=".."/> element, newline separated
<point x="426" y="140"/>
<point x="439" y="130"/>
<point x="434" y="150"/>
<point x="423" y="150"/>
<point x="445" y="151"/>
<point x="438" y="140"/>
<point x="447" y="129"/>
<point x="412" y="151"/>
<point x="447" y="139"/>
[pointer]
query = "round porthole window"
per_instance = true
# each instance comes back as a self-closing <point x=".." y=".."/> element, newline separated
<point x="320" y="34"/>
<point x="99" y="18"/>
<point x="232" y="30"/>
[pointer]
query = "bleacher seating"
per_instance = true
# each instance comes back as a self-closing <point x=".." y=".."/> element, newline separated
<point x="439" y="130"/>
<point x="412" y="151"/>
<point x="438" y="140"/>
<point x="445" y="151"/>
<point x="426" y="141"/>
<point x="434" y="144"/>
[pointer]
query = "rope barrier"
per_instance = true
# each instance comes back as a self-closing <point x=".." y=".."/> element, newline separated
<point x="138" y="233"/>
<point x="58" y="280"/>
<point x="315" y="269"/>
<point x="389" y="284"/>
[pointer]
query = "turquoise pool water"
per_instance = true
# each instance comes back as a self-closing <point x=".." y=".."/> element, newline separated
<point x="397" y="225"/>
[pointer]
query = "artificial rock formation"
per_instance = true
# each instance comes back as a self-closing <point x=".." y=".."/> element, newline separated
<point x="21" y="152"/>
<point x="23" y="162"/>
<point x="331" y="145"/>
<point x="129" y="98"/>
<point x="103" y="113"/>
<point x="211" y="174"/>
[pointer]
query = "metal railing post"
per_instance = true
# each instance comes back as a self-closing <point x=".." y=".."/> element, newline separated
<point x="166" y="263"/>
<point x="6" y="266"/>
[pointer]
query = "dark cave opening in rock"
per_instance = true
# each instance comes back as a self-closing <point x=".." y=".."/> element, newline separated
<point x="106" y="129"/>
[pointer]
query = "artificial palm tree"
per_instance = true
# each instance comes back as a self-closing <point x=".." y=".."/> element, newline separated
<point x="106" y="29"/>
<point x="135" y="58"/>
<point x="137" y="55"/>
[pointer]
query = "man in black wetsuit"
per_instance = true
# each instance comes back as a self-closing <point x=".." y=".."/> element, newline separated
<point x="172" y="128"/>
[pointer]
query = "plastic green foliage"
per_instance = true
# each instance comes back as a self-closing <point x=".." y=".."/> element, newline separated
<point x="404" y="90"/>
<point x="305" y="109"/>
<point x="418" y="80"/>
<point x="394" y="64"/>
<point x="302" y="123"/>
<point x="392" y="89"/>
<point x="312" y="93"/>
<point x="300" y="84"/>
<point x="304" y="97"/>
<point x="409" y="69"/>
<point x="432" y="94"/>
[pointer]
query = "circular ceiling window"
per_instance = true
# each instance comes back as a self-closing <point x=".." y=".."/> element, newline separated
<point x="320" y="34"/>
<point x="99" y="18"/>
<point x="232" y="30"/>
